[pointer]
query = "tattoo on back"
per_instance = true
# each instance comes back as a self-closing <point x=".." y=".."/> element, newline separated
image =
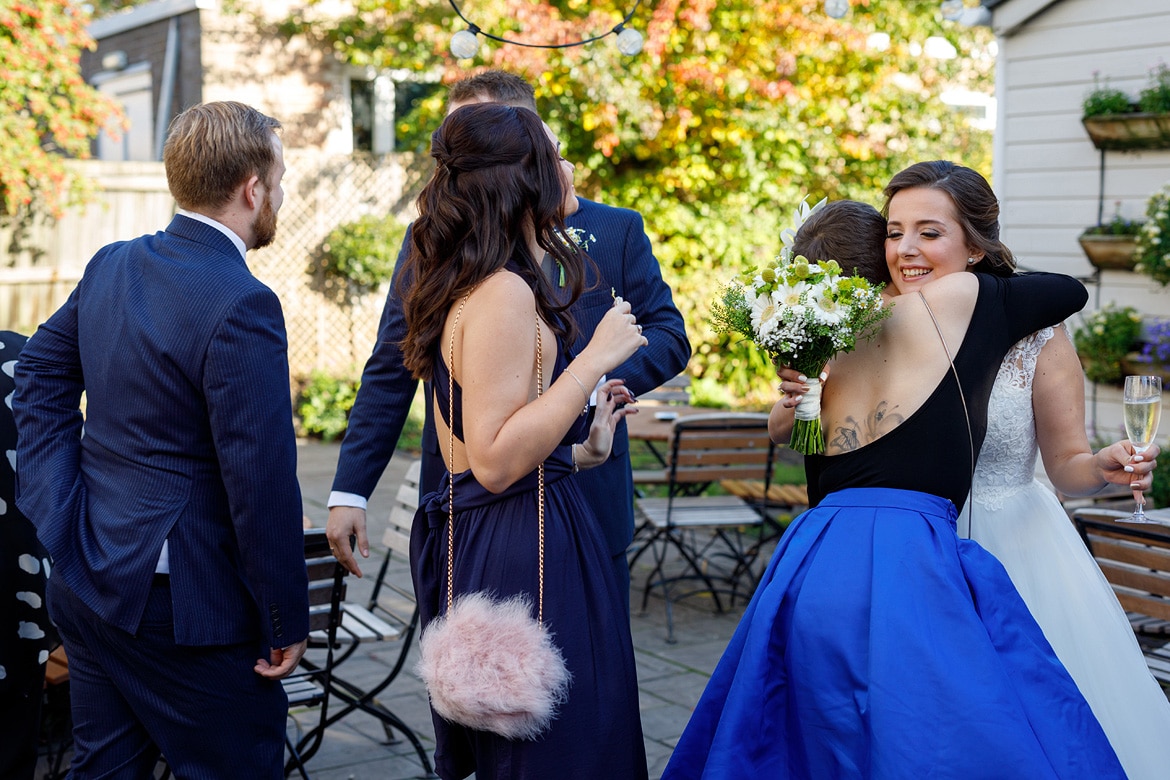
<point x="855" y="433"/>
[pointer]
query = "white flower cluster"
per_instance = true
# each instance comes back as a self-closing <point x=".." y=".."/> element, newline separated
<point x="803" y="313"/>
<point x="580" y="239"/>
<point x="1153" y="241"/>
<point x="798" y="303"/>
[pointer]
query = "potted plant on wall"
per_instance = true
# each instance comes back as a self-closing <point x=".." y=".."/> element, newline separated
<point x="1114" y="121"/>
<point x="1153" y="359"/>
<point x="1152" y="250"/>
<point x="1104" y="339"/>
<point x="1112" y="245"/>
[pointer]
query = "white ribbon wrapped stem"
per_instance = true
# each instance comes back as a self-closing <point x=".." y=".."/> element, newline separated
<point x="809" y="407"/>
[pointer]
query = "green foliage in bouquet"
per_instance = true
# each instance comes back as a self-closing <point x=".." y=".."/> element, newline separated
<point x="802" y="313"/>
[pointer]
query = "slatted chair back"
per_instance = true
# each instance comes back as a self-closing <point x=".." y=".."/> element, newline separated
<point x="1134" y="559"/>
<point x="707" y="448"/>
<point x="390" y="615"/>
<point x="327" y="586"/>
<point x="702" y="533"/>
<point x="310" y="685"/>
<point x="397" y="534"/>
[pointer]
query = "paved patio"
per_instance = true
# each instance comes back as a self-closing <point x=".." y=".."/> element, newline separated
<point x="670" y="676"/>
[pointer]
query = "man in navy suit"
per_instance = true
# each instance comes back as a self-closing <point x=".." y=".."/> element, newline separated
<point x="174" y="522"/>
<point x="617" y="242"/>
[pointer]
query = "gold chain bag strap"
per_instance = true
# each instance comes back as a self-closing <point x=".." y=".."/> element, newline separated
<point x="487" y="663"/>
<point x="966" y="413"/>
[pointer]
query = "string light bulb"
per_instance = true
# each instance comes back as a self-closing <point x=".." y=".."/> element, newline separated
<point x="629" y="41"/>
<point x="951" y="10"/>
<point x="464" y="44"/>
<point x="836" y="8"/>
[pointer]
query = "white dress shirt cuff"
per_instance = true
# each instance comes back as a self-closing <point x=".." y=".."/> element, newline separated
<point x="341" y="498"/>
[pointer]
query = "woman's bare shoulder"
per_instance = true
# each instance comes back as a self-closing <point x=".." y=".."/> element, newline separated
<point x="951" y="287"/>
<point x="503" y="292"/>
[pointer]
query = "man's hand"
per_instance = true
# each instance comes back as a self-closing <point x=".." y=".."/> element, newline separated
<point x="282" y="661"/>
<point x="344" y="522"/>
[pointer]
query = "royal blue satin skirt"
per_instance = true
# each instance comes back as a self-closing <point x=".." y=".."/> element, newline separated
<point x="881" y="645"/>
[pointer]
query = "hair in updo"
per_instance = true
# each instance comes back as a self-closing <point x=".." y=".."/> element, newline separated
<point x="496" y="170"/>
<point x="975" y="206"/>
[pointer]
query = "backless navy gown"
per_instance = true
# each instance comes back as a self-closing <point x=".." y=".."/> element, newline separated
<point x="879" y="644"/>
<point x="597" y="733"/>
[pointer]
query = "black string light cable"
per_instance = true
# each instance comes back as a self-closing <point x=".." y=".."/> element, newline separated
<point x="465" y="43"/>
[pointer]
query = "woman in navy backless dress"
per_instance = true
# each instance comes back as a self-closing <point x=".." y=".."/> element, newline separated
<point x="879" y="644"/>
<point x="479" y="309"/>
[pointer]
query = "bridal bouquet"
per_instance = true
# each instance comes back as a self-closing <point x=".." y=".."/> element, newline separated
<point x="803" y="312"/>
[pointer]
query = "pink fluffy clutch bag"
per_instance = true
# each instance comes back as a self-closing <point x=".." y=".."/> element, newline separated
<point x="489" y="665"/>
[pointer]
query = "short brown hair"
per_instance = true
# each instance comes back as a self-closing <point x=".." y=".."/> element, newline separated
<point x="852" y="233"/>
<point x="213" y="148"/>
<point x="497" y="86"/>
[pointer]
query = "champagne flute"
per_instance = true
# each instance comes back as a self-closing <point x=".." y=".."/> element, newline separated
<point x="1143" y="411"/>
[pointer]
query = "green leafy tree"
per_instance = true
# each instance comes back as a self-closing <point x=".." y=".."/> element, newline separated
<point x="731" y="114"/>
<point x="47" y="112"/>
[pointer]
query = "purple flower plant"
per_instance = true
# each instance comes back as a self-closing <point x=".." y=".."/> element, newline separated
<point x="1157" y="345"/>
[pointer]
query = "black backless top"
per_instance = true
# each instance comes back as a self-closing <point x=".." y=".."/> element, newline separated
<point x="930" y="451"/>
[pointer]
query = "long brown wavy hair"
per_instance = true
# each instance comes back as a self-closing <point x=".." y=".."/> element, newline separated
<point x="495" y="169"/>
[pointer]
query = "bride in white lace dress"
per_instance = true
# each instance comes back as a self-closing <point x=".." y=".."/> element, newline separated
<point x="1037" y="406"/>
<point x="1021" y="522"/>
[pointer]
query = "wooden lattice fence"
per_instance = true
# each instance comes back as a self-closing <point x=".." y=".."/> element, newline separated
<point x="41" y="259"/>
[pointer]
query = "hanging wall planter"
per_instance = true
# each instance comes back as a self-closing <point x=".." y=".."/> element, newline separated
<point x="1108" y="252"/>
<point x="1135" y="130"/>
<point x="1137" y="364"/>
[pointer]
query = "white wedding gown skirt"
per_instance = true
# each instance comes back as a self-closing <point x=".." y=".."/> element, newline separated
<point x="1071" y="600"/>
<point x="1021" y="522"/>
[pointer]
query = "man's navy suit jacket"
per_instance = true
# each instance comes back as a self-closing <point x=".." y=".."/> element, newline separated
<point x="627" y="265"/>
<point x="183" y="359"/>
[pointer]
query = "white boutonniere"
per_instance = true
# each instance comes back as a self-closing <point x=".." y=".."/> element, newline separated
<point x="582" y="239"/>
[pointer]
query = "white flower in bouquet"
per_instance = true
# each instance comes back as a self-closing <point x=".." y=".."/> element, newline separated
<point x="803" y="313"/>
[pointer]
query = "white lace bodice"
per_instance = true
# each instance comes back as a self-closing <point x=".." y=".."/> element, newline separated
<point x="1007" y="462"/>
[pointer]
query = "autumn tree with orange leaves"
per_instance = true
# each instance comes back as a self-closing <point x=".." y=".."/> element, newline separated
<point x="47" y="112"/>
<point x="732" y="113"/>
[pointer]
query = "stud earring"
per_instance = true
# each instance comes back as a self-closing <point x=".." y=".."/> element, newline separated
<point x="971" y="261"/>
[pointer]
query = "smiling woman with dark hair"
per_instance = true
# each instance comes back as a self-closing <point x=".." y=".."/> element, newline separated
<point x="931" y="665"/>
<point x="485" y="327"/>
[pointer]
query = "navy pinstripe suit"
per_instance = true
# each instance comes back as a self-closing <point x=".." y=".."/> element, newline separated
<point x="188" y="437"/>
<point x="627" y="264"/>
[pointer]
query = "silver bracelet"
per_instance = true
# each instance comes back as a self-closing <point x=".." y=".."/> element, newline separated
<point x="573" y="451"/>
<point x="581" y="385"/>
